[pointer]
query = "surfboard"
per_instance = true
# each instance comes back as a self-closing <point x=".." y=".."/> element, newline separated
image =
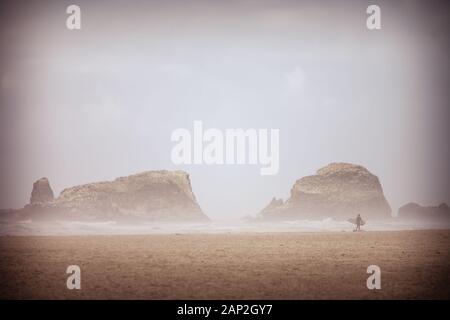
<point x="353" y="220"/>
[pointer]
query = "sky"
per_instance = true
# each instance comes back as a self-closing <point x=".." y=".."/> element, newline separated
<point x="79" y="106"/>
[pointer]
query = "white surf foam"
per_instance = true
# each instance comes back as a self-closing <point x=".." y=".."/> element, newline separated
<point x="112" y="227"/>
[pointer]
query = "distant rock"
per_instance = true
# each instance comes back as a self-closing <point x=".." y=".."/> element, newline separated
<point x="339" y="191"/>
<point x="415" y="211"/>
<point x="41" y="193"/>
<point x="274" y="205"/>
<point x="152" y="195"/>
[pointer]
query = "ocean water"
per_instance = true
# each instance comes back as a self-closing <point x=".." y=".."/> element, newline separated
<point x="112" y="227"/>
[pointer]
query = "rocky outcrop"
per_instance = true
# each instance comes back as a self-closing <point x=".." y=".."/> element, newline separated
<point x="274" y="205"/>
<point x="415" y="211"/>
<point x="41" y="193"/>
<point x="339" y="191"/>
<point x="152" y="195"/>
<point x="155" y="195"/>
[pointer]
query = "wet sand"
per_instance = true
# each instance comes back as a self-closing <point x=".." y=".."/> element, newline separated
<point x="414" y="265"/>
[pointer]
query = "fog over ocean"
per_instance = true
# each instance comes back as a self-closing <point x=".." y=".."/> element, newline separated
<point x="61" y="228"/>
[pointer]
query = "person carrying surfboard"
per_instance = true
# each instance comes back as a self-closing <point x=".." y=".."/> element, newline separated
<point x="358" y="222"/>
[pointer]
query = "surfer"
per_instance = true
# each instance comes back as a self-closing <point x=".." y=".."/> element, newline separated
<point x="358" y="222"/>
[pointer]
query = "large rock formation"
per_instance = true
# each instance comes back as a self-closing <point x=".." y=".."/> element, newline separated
<point x="152" y="195"/>
<point x="339" y="191"/>
<point x="41" y="193"/>
<point x="155" y="195"/>
<point x="417" y="212"/>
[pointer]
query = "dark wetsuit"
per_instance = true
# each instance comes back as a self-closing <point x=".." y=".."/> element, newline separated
<point x="358" y="222"/>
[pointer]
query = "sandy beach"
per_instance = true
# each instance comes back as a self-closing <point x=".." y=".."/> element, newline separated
<point x="414" y="265"/>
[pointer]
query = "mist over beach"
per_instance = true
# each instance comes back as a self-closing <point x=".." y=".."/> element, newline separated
<point x="102" y="102"/>
<point x="66" y="228"/>
<point x="270" y="149"/>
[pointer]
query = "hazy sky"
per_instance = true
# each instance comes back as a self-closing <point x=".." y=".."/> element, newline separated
<point x="101" y="102"/>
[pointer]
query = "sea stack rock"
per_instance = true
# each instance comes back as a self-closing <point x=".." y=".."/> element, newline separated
<point x="339" y="191"/>
<point x="413" y="211"/>
<point x="274" y="205"/>
<point x="42" y="193"/>
<point x="152" y="195"/>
